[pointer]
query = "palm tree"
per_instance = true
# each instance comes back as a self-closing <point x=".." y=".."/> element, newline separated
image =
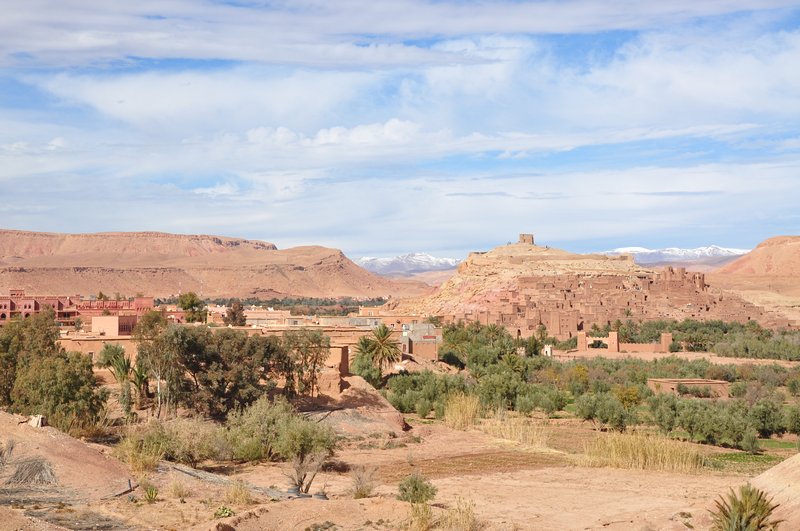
<point x="364" y="347"/>
<point x="114" y="359"/>
<point x="385" y="350"/>
<point x="493" y="333"/>
<point x="749" y="510"/>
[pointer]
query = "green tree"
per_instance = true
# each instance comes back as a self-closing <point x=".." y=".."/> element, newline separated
<point x="193" y="306"/>
<point x="158" y="345"/>
<point x="363" y="364"/>
<point x="235" y="315"/>
<point x="308" y="349"/>
<point x="61" y="387"/>
<point x="23" y="340"/>
<point x="230" y="370"/>
<point x="306" y="444"/>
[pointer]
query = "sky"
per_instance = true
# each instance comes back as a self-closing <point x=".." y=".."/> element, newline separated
<point x="388" y="127"/>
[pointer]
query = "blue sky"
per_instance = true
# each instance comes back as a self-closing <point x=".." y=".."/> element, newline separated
<point x="388" y="127"/>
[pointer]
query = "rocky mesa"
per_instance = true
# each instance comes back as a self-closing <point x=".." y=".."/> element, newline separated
<point x="523" y="285"/>
<point x="162" y="264"/>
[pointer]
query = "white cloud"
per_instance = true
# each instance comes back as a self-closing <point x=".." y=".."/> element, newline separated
<point x="70" y="32"/>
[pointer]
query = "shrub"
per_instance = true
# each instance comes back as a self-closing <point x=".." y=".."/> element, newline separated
<point x="738" y="389"/>
<point x="749" y="510"/>
<point x="750" y="442"/>
<point x="664" y="410"/>
<point x="6" y="449"/>
<point x="363" y="366"/>
<point x="792" y="423"/>
<point x="363" y="478"/>
<point x="237" y="493"/>
<point x="306" y="444"/>
<point x="461" y="517"/>
<point x="224" y="512"/>
<point x="794" y="386"/>
<point x="423" y="408"/>
<point x="643" y="452"/>
<point x="767" y="418"/>
<point x="404" y="391"/>
<point x="461" y="411"/>
<point x="150" y="493"/>
<point x="416" y="489"/>
<point x="143" y="447"/>
<point x="420" y="517"/>
<point x="252" y="432"/>
<point x="192" y="440"/>
<point x="178" y="489"/>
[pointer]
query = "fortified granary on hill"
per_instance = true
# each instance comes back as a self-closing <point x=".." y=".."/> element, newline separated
<point x="567" y="304"/>
<point x="521" y="286"/>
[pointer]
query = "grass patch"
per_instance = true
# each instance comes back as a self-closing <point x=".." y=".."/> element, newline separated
<point x="461" y="411"/>
<point x="643" y="452"/>
<point x="777" y="444"/>
<point x="523" y="430"/>
<point x="239" y="494"/>
<point x="363" y="478"/>
<point x="743" y="463"/>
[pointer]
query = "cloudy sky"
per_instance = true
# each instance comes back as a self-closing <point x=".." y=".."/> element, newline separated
<point x="404" y="125"/>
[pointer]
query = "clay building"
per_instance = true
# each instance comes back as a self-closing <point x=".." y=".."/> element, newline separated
<point x="711" y="388"/>
<point x="68" y="308"/>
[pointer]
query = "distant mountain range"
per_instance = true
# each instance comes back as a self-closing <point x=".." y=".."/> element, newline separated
<point x="407" y="264"/>
<point x="712" y="255"/>
<point x="704" y="258"/>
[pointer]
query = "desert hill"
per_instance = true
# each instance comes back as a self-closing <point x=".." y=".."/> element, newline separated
<point x="521" y="285"/>
<point x="161" y="264"/>
<point x="769" y="275"/>
<point x="779" y="257"/>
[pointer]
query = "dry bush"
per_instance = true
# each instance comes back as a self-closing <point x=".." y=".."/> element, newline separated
<point x="178" y="489"/>
<point x="238" y="494"/>
<point x="420" y="517"/>
<point x="363" y="478"/>
<point x="6" y="449"/>
<point x="192" y="440"/>
<point x="143" y="447"/>
<point x="461" y="517"/>
<point x="302" y="470"/>
<point x="35" y="471"/>
<point x="643" y="452"/>
<point x="461" y="411"/>
<point x="520" y="429"/>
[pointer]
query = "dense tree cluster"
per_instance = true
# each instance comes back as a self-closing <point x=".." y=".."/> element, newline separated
<point x="38" y="377"/>
<point x="215" y="372"/>
<point x="730" y="339"/>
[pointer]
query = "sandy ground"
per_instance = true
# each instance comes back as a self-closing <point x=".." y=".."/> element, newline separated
<point x="512" y="487"/>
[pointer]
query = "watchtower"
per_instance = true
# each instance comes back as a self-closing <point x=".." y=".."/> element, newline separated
<point x="526" y="238"/>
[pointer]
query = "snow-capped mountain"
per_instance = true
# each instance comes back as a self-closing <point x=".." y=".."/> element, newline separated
<point x="406" y="264"/>
<point x="712" y="253"/>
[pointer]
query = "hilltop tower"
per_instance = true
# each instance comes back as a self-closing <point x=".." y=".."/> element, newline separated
<point x="526" y="238"/>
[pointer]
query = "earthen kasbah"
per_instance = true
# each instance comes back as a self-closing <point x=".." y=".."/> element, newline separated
<point x="521" y="286"/>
